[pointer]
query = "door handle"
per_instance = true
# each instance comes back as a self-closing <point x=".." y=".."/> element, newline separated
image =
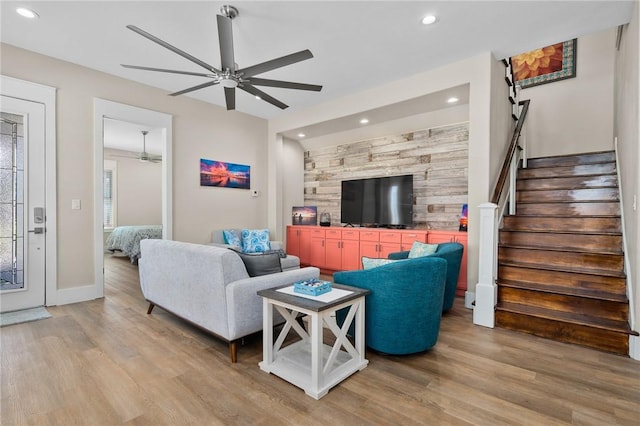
<point x="37" y="230"/>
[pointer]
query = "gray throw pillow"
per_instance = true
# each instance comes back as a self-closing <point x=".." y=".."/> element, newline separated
<point x="261" y="264"/>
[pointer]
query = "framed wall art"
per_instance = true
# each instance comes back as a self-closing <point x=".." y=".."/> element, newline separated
<point x="225" y="175"/>
<point x="545" y="65"/>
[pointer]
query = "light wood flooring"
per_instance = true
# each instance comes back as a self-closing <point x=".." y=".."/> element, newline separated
<point x="106" y="362"/>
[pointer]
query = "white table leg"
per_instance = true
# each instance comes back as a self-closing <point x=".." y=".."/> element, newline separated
<point x="316" y="355"/>
<point x="359" y="329"/>
<point x="267" y="335"/>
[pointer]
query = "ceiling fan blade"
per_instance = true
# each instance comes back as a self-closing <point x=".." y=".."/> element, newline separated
<point x="172" y="48"/>
<point x="225" y="38"/>
<point x="284" y="84"/>
<point x="276" y="63"/>
<point x="230" y="97"/>
<point x="136" y="67"/>
<point x="257" y="92"/>
<point x="191" y="89"/>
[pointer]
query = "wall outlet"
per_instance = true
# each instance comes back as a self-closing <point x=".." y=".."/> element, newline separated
<point x="254" y="193"/>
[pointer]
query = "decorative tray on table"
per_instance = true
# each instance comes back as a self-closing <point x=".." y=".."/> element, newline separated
<point x="312" y="287"/>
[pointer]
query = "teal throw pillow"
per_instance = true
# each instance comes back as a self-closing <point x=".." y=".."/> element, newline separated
<point x="255" y="240"/>
<point x="231" y="237"/>
<point x="369" y="262"/>
<point x="419" y="249"/>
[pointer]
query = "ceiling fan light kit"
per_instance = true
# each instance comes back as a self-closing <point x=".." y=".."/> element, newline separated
<point x="230" y="76"/>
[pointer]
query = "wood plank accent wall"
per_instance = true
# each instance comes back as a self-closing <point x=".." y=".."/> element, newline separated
<point x="437" y="158"/>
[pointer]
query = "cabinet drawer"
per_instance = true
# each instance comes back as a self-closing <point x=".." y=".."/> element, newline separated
<point x="315" y="233"/>
<point x="408" y="238"/>
<point x="350" y="235"/>
<point x="369" y="235"/>
<point x="333" y="234"/>
<point x="390" y="237"/>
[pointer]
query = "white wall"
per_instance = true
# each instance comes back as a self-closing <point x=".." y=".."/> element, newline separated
<point x="627" y="130"/>
<point x="200" y="130"/>
<point x="293" y="177"/>
<point x="576" y="114"/>
<point x="139" y="189"/>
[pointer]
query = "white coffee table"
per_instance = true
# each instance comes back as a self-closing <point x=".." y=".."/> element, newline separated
<point x="308" y="363"/>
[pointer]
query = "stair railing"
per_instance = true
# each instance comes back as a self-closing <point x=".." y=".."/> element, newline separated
<point x="486" y="294"/>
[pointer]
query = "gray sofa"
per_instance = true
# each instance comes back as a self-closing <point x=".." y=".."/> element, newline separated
<point x="208" y="286"/>
<point x="288" y="262"/>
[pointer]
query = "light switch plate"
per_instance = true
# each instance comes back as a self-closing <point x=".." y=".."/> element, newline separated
<point x="76" y="205"/>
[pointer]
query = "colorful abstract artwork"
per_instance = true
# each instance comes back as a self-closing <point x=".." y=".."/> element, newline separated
<point x="544" y="65"/>
<point x="226" y="175"/>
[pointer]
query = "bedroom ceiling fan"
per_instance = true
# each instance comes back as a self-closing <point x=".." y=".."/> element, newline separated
<point x="230" y="76"/>
<point x="144" y="156"/>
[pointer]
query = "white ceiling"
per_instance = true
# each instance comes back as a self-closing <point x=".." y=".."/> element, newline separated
<point x="356" y="44"/>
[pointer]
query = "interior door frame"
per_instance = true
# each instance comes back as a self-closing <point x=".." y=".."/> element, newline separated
<point x="46" y="95"/>
<point x="108" y="109"/>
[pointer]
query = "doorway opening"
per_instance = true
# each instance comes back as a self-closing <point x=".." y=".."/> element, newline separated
<point x="110" y="118"/>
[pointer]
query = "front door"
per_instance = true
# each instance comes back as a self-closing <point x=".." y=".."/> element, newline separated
<point x="22" y="202"/>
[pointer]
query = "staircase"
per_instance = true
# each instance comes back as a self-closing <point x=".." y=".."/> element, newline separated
<point x="560" y="259"/>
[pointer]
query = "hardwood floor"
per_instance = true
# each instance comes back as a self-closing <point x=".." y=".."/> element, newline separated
<point x="106" y="362"/>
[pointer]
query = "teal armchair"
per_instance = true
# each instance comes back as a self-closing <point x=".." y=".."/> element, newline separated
<point x="403" y="311"/>
<point x="452" y="253"/>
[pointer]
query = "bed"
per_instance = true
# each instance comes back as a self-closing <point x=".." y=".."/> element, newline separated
<point x="126" y="239"/>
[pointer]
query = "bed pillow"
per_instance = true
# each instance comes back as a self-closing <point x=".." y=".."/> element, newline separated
<point x="261" y="264"/>
<point x="231" y="237"/>
<point x="255" y="240"/>
<point x="370" y="262"/>
<point x="419" y="249"/>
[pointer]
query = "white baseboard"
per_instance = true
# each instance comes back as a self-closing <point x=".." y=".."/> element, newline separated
<point x="469" y="299"/>
<point x="634" y="347"/>
<point x="85" y="293"/>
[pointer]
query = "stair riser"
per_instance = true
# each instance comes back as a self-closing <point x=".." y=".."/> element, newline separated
<point x="564" y="303"/>
<point x="573" y="224"/>
<point x="567" y="195"/>
<point x="604" y="340"/>
<point x="582" y="242"/>
<point x="572" y="160"/>
<point x="585" y="182"/>
<point x="569" y="209"/>
<point x="565" y="279"/>
<point x="569" y="260"/>
<point x="590" y="169"/>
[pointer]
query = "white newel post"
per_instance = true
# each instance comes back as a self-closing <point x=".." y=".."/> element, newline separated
<point x="486" y="288"/>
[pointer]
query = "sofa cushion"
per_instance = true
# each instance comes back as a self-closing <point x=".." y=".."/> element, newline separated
<point x="231" y="237"/>
<point x="419" y="249"/>
<point x="260" y="263"/>
<point x="370" y="262"/>
<point x="255" y="240"/>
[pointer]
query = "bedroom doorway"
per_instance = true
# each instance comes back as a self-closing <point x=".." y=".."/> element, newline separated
<point x="124" y="122"/>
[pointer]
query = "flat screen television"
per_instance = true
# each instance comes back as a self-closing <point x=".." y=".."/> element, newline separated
<point x="383" y="202"/>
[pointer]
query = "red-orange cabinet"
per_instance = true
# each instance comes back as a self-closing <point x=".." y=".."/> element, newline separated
<point x="435" y="237"/>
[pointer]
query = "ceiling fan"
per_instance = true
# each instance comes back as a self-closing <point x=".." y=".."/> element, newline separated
<point x="229" y="75"/>
<point x="144" y="156"/>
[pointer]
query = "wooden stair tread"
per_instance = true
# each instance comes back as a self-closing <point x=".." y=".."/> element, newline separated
<point x="567" y="291"/>
<point x="617" y="326"/>
<point x="560" y="249"/>
<point x="564" y="231"/>
<point x="577" y="270"/>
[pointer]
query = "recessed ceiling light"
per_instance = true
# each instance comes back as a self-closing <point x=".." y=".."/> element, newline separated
<point x="429" y="19"/>
<point x="364" y="121"/>
<point x="301" y="135"/>
<point x="452" y="100"/>
<point x="258" y="97"/>
<point x="27" y="13"/>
